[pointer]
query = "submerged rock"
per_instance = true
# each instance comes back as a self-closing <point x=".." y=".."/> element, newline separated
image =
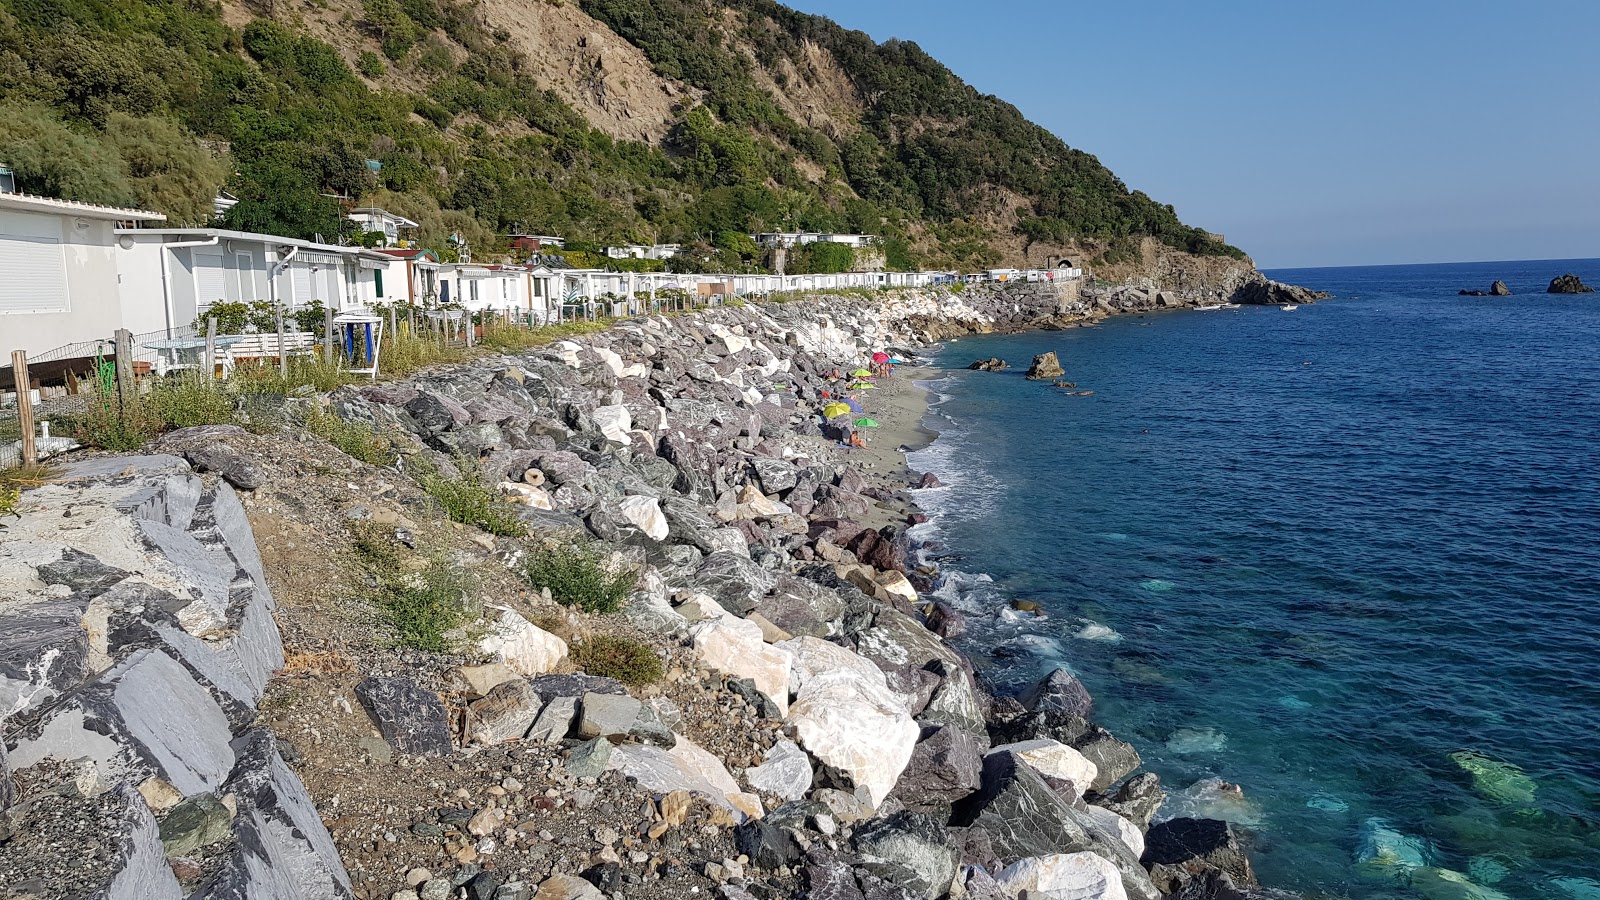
<point x="992" y="364"/>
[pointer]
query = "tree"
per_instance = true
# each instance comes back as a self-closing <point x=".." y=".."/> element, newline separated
<point x="739" y="244"/>
<point x="167" y="168"/>
<point x="53" y="160"/>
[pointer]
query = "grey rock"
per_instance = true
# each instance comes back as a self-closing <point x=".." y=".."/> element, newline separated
<point x="199" y="821"/>
<point x="828" y="876"/>
<point x="44" y="652"/>
<point x="589" y="759"/>
<point x="774" y="476"/>
<point x="1060" y="691"/>
<point x="946" y="766"/>
<point x="746" y="689"/>
<point x="802" y="607"/>
<point x="81" y="572"/>
<point x="768" y="846"/>
<point x="1113" y="758"/>
<point x="648" y="728"/>
<point x="1137" y="800"/>
<point x="227" y="463"/>
<point x="575" y="685"/>
<point x="555" y="720"/>
<point x="785" y="771"/>
<point x="281" y="848"/>
<point x="1178" y="851"/>
<point x="140" y="868"/>
<point x="483" y="886"/>
<point x="1568" y="284"/>
<point x="1064" y="728"/>
<point x="435" y="413"/>
<point x="734" y="581"/>
<point x="604" y="715"/>
<point x="504" y="714"/>
<point x="910" y="850"/>
<point x="956" y="701"/>
<point x="410" y="718"/>
<point x="1045" y="366"/>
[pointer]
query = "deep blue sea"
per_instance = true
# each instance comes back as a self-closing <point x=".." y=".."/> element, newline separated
<point x="1346" y="557"/>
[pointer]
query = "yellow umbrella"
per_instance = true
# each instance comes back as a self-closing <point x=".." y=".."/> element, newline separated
<point x="835" y="410"/>
<point x="861" y="373"/>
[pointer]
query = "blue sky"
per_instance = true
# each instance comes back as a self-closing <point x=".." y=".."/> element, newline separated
<point x="1350" y="133"/>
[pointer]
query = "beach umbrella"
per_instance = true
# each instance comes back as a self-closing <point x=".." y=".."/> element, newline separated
<point x="861" y="373"/>
<point x="880" y="357"/>
<point x="835" y="410"/>
<point x="853" y="403"/>
<point x="862" y="386"/>
<point x="866" y="423"/>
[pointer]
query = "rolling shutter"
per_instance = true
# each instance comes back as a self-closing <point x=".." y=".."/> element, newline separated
<point x="300" y="283"/>
<point x="33" y="274"/>
<point x="210" y="278"/>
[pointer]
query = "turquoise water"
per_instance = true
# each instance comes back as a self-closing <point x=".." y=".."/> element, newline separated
<point x="1347" y="557"/>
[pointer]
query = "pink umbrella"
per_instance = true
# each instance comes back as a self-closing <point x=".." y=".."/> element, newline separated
<point x="880" y="358"/>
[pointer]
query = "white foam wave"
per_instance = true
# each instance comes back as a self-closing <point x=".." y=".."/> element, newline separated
<point x="1094" y="631"/>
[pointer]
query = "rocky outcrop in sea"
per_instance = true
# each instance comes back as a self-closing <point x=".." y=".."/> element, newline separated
<point x="812" y="733"/>
<point x="1568" y="284"/>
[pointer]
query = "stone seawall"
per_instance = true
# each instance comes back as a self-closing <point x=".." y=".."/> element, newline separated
<point x="136" y="639"/>
<point x="814" y="735"/>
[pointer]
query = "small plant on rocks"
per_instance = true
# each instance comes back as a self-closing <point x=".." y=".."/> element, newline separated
<point x="422" y="606"/>
<point x="625" y="659"/>
<point x="577" y="575"/>
<point x="354" y="439"/>
<point x="466" y="500"/>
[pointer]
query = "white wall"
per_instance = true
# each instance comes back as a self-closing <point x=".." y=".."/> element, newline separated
<point x="87" y="270"/>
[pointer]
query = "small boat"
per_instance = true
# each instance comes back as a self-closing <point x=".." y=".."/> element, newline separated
<point x="1230" y="306"/>
<point x="1290" y="307"/>
<point x="1207" y="308"/>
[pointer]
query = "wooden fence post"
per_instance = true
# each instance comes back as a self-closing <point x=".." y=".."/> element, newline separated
<point x="327" y="336"/>
<point x="211" y="348"/>
<point x="283" y="357"/>
<point x="392" y="333"/>
<point x="124" y="351"/>
<point x="19" y="377"/>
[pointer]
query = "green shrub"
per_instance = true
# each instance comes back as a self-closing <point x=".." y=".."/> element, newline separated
<point x="127" y="423"/>
<point x="189" y="399"/>
<point x="354" y="439"/>
<point x="370" y="64"/>
<point x="422" y="607"/>
<point x="466" y="500"/>
<point x="625" y="659"/>
<point x="577" y="575"/>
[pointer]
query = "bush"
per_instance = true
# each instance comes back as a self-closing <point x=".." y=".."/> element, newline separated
<point x="423" y="607"/>
<point x="370" y="64"/>
<point x="354" y="439"/>
<point x="625" y="659"/>
<point x="577" y="575"/>
<point x="184" y="401"/>
<point x="467" y="501"/>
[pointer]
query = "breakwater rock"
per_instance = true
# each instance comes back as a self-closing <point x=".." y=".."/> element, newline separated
<point x="803" y="730"/>
<point x="1262" y="291"/>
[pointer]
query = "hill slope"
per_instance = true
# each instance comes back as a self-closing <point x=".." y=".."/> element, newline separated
<point x="603" y="120"/>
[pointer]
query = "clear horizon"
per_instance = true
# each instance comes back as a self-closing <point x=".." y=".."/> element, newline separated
<point x="1367" y="134"/>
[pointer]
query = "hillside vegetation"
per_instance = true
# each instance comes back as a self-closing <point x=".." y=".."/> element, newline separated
<point x="634" y="120"/>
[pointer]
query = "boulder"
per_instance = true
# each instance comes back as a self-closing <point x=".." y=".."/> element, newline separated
<point x="900" y="646"/>
<point x="1063" y="876"/>
<point x="199" y="821"/>
<point x="992" y="364"/>
<point x="410" y="718"/>
<point x="1180" y="850"/>
<point x="768" y="846"/>
<point x="555" y="720"/>
<point x="575" y="685"/>
<point x="684" y="767"/>
<point x="1568" y="284"/>
<point x="614" y="422"/>
<point x="1499" y="289"/>
<point x="1137" y="800"/>
<point x="644" y="513"/>
<point x="606" y="715"/>
<point x="227" y="463"/>
<point x="590" y="758"/>
<point x="504" y="714"/>
<point x="1114" y="759"/>
<point x="1060" y="691"/>
<point x="734" y="581"/>
<point x="946" y="766"/>
<point x="1122" y="829"/>
<point x="523" y="646"/>
<point x="737" y="647"/>
<point x="908" y="849"/>
<point x="845" y="715"/>
<point x="1053" y="760"/>
<point x="785" y="772"/>
<point x="956" y="701"/>
<point x="1045" y="367"/>
<point x="567" y="887"/>
<point x="774" y="475"/>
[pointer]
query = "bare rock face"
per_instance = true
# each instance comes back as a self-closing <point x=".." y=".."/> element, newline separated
<point x="1262" y="291"/>
<point x="1045" y="366"/>
<point x="1568" y="284"/>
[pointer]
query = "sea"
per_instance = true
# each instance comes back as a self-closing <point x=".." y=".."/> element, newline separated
<point x="1333" y="571"/>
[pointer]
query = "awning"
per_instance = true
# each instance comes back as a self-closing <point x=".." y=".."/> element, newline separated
<point x="372" y="264"/>
<point x="316" y="259"/>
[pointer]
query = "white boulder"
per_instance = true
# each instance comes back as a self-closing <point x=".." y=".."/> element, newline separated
<point x="1063" y="876"/>
<point x="645" y="514"/>
<point x="1117" y="825"/>
<point x="785" y="772"/>
<point x="522" y="645"/>
<point x="735" y="646"/>
<point x="845" y="715"/>
<point x="614" y="422"/>
<point x="1054" y="760"/>
<point x="685" y="767"/>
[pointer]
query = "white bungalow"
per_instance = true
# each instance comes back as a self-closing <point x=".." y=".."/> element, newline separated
<point x="171" y="276"/>
<point x="59" y="273"/>
<point x="393" y="227"/>
<point x="644" y="251"/>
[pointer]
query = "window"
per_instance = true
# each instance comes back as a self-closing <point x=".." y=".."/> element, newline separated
<point x="33" y="274"/>
<point x="377" y="283"/>
<point x="210" y="278"/>
<point x="243" y="276"/>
